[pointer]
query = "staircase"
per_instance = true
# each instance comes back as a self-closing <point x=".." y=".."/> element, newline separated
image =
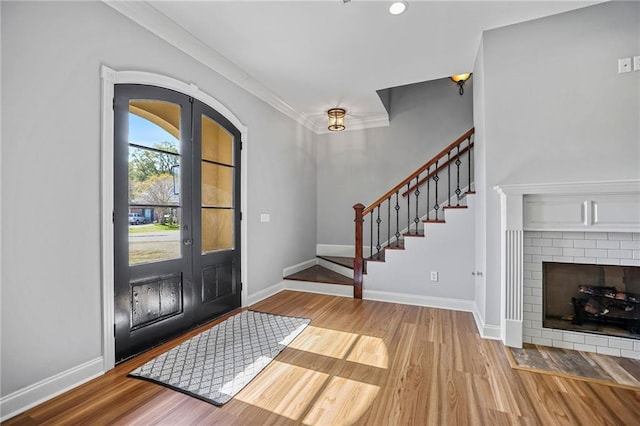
<point x="389" y="225"/>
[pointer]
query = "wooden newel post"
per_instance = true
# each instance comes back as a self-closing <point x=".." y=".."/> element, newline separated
<point x="358" y="261"/>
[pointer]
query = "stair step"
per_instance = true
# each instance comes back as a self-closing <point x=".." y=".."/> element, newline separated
<point x="347" y="262"/>
<point x="470" y="192"/>
<point x="433" y="221"/>
<point x="419" y="234"/>
<point x="320" y="274"/>
<point x="455" y="207"/>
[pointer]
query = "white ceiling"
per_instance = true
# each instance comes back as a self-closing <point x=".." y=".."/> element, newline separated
<point x="305" y="56"/>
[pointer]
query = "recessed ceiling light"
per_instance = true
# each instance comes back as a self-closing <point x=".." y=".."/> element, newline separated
<point x="398" y="7"/>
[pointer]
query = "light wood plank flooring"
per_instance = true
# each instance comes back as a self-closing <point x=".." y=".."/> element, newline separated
<point x="359" y="362"/>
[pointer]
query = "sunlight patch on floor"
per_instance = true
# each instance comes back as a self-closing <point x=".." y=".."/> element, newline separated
<point x="312" y="397"/>
<point x="342" y="402"/>
<point x="284" y="389"/>
<point x="371" y="351"/>
<point x="325" y="342"/>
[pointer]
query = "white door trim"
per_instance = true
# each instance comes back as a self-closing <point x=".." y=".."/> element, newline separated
<point x="109" y="79"/>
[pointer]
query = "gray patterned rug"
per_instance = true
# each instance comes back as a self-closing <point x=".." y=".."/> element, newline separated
<point x="217" y="363"/>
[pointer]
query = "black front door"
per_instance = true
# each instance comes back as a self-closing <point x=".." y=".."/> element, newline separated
<point x="176" y="216"/>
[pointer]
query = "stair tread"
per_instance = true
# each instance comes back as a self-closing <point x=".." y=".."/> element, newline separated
<point x="347" y="262"/>
<point x="433" y="221"/>
<point x="320" y="274"/>
<point x="419" y="234"/>
<point x="455" y="207"/>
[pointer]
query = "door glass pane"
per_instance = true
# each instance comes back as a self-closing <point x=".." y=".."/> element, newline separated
<point x="154" y="181"/>
<point x="218" y="170"/>
<point x="217" y="185"/>
<point x="217" y="229"/>
<point x="217" y="143"/>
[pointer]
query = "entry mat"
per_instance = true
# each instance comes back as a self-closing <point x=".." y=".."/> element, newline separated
<point x="217" y="363"/>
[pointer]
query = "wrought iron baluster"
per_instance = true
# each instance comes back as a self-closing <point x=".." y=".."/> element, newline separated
<point x="371" y="236"/>
<point x="449" y="178"/>
<point x="397" y="221"/>
<point x="436" y="178"/>
<point x="458" y="162"/>
<point x="428" y="199"/>
<point x="469" y="159"/>
<point x="378" y="221"/>
<point x="417" y="193"/>
<point x="408" y="209"/>
<point x="389" y="220"/>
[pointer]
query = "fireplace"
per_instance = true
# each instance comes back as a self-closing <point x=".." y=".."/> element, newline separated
<point x="594" y="223"/>
<point x="590" y="298"/>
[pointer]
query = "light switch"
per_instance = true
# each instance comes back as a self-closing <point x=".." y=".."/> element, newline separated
<point x="265" y="217"/>
<point x="636" y="63"/>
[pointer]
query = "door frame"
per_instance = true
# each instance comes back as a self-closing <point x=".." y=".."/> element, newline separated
<point x="109" y="78"/>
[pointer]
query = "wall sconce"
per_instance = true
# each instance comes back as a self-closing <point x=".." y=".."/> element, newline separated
<point x="336" y="119"/>
<point x="460" y="79"/>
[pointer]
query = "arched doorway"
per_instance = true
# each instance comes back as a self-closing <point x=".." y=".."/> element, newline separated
<point x="164" y="284"/>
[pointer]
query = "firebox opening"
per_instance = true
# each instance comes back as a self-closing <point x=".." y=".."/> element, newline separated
<point x="600" y="299"/>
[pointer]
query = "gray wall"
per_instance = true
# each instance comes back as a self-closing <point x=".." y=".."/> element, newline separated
<point x="361" y="165"/>
<point x="51" y="289"/>
<point x="555" y="109"/>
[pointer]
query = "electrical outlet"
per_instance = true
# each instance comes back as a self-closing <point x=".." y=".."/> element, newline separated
<point x="624" y="65"/>
<point x="434" y="276"/>
<point x="636" y="63"/>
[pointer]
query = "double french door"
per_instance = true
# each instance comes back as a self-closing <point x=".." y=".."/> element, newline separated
<point x="176" y="216"/>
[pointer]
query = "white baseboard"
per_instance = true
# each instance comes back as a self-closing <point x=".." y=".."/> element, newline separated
<point x="487" y="331"/>
<point x="37" y="393"/>
<point x="417" y="300"/>
<point x="263" y="294"/>
<point x="319" y="288"/>
<point x="299" y="267"/>
<point x="338" y="269"/>
<point x="335" y="250"/>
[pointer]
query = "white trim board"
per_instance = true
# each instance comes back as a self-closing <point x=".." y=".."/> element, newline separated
<point x="265" y="293"/>
<point x="492" y="332"/>
<point x="289" y="270"/>
<point x="319" y="288"/>
<point x="418" y="300"/>
<point x="37" y="393"/>
<point x="110" y="78"/>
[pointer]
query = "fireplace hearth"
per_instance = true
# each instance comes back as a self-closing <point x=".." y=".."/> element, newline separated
<point x="599" y="299"/>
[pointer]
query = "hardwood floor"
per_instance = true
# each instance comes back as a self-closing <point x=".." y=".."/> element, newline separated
<point x="359" y="362"/>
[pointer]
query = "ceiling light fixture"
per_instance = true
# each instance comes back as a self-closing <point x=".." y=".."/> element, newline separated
<point x="460" y="79"/>
<point x="398" y="7"/>
<point x="336" y="119"/>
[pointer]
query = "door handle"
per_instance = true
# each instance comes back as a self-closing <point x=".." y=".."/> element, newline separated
<point x="187" y="242"/>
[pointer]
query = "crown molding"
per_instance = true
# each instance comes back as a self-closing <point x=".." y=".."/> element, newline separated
<point x="145" y="15"/>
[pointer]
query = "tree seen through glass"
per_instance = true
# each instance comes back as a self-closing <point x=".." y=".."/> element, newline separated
<point x="154" y="192"/>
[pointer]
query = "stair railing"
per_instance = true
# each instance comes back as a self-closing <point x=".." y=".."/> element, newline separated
<point x="459" y="154"/>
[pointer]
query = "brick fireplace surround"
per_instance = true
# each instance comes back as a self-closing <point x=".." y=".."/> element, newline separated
<point x="598" y="248"/>
<point x="587" y="222"/>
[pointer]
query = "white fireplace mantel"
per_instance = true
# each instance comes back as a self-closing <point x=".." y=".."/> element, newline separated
<point x="605" y="206"/>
